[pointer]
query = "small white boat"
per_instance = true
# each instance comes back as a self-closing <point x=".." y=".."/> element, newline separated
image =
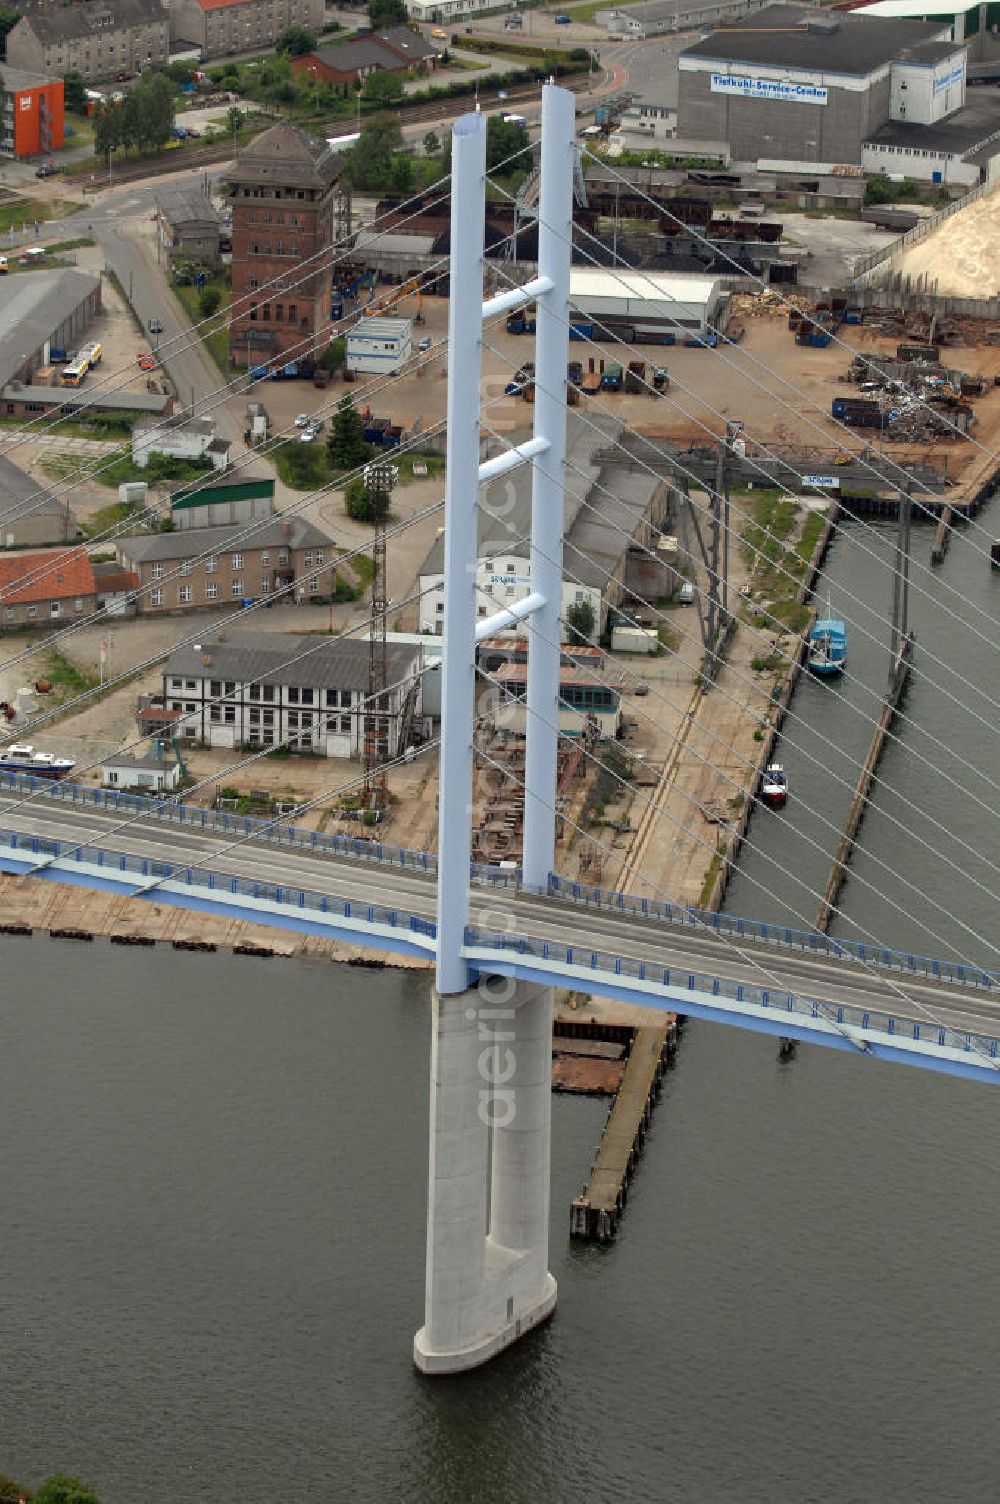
<point x="774" y="786"/>
<point x="24" y="759"/>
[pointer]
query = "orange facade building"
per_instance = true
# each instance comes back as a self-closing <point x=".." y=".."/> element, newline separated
<point x="31" y="113"/>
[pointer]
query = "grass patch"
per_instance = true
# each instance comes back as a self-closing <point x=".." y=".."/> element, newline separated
<point x="303" y="467"/>
<point x="711" y="875"/>
<point x="215" y="333"/>
<point x="66" y="679"/>
<point x="14" y="216"/>
<point x="435" y="463"/>
<point x="364" y="567"/>
<point x="814" y="525"/>
<point x="68" y="245"/>
<point x="790" y="613"/>
<point x="159" y="468"/>
<point x="106" y="517"/>
<point x="61" y="464"/>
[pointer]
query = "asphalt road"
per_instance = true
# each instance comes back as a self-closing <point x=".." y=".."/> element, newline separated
<point x="633" y="937"/>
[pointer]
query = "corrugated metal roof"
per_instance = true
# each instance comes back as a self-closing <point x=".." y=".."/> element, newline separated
<point x="246" y="657"/>
<point x="34" y="305"/>
<point x="604" y="502"/>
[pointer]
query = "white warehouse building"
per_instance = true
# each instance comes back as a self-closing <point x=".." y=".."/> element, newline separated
<point x="651" y="301"/>
<point x="608" y="507"/>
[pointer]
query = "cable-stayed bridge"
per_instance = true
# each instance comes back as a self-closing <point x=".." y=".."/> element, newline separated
<point x="503" y="941"/>
<point x="892" y="1005"/>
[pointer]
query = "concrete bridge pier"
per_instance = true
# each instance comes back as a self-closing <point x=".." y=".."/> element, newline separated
<point x="488" y="1280"/>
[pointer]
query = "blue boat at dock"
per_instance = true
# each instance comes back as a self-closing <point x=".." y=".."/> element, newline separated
<point x="828" y="647"/>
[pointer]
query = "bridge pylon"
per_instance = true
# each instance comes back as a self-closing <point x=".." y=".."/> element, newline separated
<point x="488" y="1280"/>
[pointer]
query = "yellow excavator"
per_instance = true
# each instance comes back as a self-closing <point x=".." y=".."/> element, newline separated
<point x="383" y="305"/>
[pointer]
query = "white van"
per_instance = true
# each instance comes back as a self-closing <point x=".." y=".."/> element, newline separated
<point x="686" y="594"/>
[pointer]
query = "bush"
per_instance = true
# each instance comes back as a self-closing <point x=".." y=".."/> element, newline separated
<point x="60" y="1489"/>
<point x="208" y="301"/>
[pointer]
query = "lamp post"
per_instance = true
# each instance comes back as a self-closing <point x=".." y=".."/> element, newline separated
<point x="380" y="479"/>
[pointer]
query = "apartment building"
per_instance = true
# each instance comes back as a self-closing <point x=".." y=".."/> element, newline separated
<point x="258" y="689"/>
<point x="221" y="27"/>
<point x="283" y="187"/>
<point x="99" y="39"/>
<point x="201" y="567"/>
<point x="31" y="113"/>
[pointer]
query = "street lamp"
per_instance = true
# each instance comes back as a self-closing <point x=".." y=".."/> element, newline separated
<point x="380" y="479"/>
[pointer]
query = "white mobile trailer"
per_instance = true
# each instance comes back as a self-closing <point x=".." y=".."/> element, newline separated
<point x="377" y="345"/>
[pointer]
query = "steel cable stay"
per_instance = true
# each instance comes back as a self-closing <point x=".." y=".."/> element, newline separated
<point x="802" y="835"/>
<point x="777" y="485"/>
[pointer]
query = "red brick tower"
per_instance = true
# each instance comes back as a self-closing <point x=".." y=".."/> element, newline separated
<point x="284" y="188"/>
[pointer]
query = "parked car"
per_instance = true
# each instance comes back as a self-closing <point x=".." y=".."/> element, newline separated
<point x="307" y="435"/>
<point x="155" y="327"/>
<point x="303" y="420"/>
<point x="46" y="170"/>
<point x="124" y="78"/>
<point x="424" y="344"/>
<point x="4" y="268"/>
<point x="564" y="20"/>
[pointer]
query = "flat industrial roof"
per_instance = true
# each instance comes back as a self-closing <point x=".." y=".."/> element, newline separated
<point x="962" y="132"/>
<point x="596" y="282"/>
<point x="915" y="10"/>
<point x="34" y="305"/>
<point x="793" y="36"/>
<point x="125" y="400"/>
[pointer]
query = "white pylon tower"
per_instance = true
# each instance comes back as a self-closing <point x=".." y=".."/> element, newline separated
<point x="488" y="1198"/>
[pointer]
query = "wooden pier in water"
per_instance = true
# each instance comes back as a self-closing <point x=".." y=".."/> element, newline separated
<point x="594" y="1215"/>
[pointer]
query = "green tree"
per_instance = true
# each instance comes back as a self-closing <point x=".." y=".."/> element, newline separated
<point x="362" y="505"/>
<point x="59" y="1489"/>
<point x="74" y="91"/>
<point x="234" y="119"/>
<point x="369" y="163"/>
<point x="401" y="176"/>
<point x="10" y="1491"/>
<point x="208" y="301"/>
<point x="345" y="445"/>
<point x="295" y="41"/>
<point x="432" y="144"/>
<point x="383" y="13"/>
<point x="333" y="356"/>
<point x="505" y="138"/>
<point x="580" y="623"/>
<point x="383" y="88"/>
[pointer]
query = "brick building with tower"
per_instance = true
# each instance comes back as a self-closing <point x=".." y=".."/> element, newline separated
<point x="286" y="199"/>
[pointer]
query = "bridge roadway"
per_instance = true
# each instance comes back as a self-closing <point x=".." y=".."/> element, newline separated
<point x="639" y="958"/>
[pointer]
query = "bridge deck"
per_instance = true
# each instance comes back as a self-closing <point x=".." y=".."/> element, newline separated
<point x="631" y="955"/>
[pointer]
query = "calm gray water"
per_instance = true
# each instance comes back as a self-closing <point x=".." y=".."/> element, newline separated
<point x="213" y="1194"/>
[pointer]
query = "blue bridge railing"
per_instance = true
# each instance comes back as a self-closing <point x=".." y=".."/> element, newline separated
<point x="363" y="849"/>
<point x="790" y="1007"/>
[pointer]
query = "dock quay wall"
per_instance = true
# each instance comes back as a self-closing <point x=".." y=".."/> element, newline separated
<point x="859" y="801"/>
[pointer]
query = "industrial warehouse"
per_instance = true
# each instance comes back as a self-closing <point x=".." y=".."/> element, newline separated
<point x="793" y="84"/>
